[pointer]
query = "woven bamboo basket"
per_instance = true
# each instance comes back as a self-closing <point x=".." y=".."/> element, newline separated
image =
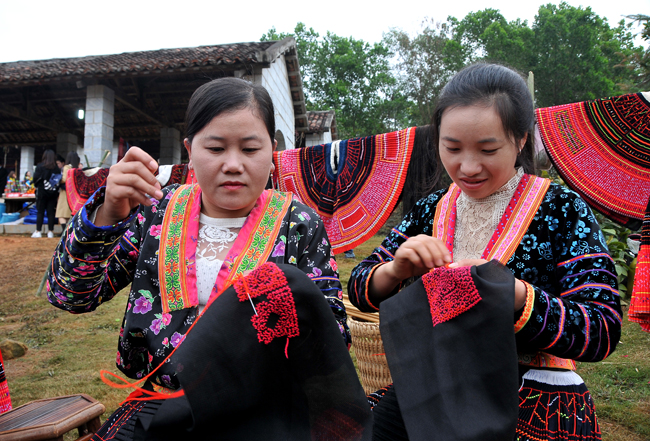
<point x="371" y="359"/>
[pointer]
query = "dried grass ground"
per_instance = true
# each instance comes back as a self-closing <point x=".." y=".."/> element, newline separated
<point x="66" y="351"/>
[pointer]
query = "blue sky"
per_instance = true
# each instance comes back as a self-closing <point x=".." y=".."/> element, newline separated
<point x="42" y="29"/>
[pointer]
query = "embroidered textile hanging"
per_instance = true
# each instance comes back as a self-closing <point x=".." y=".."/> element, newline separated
<point x="80" y="185"/>
<point x="352" y="184"/>
<point x="639" y="311"/>
<point x="601" y="148"/>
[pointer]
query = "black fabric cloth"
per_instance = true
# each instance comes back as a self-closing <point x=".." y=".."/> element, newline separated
<point x="456" y="380"/>
<point x="388" y="421"/>
<point x="246" y="376"/>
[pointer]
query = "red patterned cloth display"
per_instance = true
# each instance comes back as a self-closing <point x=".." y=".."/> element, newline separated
<point x="601" y="148"/>
<point x="639" y="311"/>
<point x="79" y="186"/>
<point x="352" y="184"/>
<point x="5" y="399"/>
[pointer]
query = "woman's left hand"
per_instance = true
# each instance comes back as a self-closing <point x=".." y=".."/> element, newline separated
<point x="520" y="287"/>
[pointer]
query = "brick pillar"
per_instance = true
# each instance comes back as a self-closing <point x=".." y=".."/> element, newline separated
<point x="98" y="133"/>
<point x="170" y="146"/>
<point x="26" y="161"/>
<point x="65" y="143"/>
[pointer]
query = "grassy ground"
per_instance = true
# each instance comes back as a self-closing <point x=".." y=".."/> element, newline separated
<point x="66" y="352"/>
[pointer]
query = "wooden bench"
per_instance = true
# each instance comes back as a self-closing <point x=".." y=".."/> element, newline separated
<point x="50" y="418"/>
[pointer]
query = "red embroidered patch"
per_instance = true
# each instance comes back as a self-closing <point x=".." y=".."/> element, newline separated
<point x="451" y="292"/>
<point x="268" y="280"/>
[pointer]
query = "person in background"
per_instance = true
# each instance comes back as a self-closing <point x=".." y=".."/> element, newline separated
<point x="46" y="199"/>
<point x="11" y="181"/>
<point x="28" y="179"/>
<point x="63" y="212"/>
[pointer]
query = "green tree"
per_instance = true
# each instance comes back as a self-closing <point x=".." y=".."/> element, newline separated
<point x="572" y="64"/>
<point x="487" y="36"/>
<point x="639" y="61"/>
<point x="350" y="76"/>
<point x="423" y="65"/>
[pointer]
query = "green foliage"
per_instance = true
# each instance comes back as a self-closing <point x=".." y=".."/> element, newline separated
<point x="638" y="62"/>
<point x="350" y="76"/>
<point x="423" y="65"/>
<point x="486" y="35"/>
<point x="571" y="65"/>
<point x="616" y="238"/>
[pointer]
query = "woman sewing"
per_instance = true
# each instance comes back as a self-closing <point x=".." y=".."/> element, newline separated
<point x="566" y="306"/>
<point x="223" y="227"/>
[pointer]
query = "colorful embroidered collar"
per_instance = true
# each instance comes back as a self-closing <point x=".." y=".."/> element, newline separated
<point x="177" y="250"/>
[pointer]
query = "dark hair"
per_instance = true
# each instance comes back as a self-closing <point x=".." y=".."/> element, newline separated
<point x="227" y="95"/>
<point x="495" y="86"/>
<point x="73" y="159"/>
<point x="49" y="159"/>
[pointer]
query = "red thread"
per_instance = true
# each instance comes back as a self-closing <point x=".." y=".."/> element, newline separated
<point x="451" y="292"/>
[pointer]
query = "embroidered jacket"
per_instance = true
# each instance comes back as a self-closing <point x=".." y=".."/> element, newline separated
<point x="91" y="264"/>
<point x="573" y="308"/>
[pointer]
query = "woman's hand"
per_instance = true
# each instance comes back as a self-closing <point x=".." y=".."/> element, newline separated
<point x="129" y="183"/>
<point x="520" y="287"/>
<point x="417" y="256"/>
<point x="414" y="257"/>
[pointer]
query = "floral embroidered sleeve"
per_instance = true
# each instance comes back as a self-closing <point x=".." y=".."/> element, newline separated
<point x="575" y="310"/>
<point x="91" y="264"/>
<point x="418" y="221"/>
<point x="308" y="247"/>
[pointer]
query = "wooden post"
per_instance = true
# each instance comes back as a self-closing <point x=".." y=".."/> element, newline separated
<point x="531" y="84"/>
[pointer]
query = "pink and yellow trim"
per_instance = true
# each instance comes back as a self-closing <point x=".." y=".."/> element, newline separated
<point x="254" y="243"/>
<point x="177" y="250"/>
<point x="513" y="224"/>
<point x="544" y="360"/>
<point x="444" y="220"/>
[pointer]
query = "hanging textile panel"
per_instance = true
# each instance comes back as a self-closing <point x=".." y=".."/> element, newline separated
<point x="353" y="184"/>
<point x="601" y="148"/>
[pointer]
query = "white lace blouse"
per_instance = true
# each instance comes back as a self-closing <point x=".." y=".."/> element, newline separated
<point x="477" y="219"/>
<point x="216" y="237"/>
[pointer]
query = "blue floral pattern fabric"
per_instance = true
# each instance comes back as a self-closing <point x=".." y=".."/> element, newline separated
<point x="563" y="255"/>
<point x="91" y="264"/>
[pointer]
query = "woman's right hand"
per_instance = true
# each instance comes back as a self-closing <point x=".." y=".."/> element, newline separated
<point x="417" y="256"/>
<point x="129" y="183"/>
<point x="413" y="258"/>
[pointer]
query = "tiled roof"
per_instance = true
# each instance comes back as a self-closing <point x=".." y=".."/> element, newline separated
<point x="320" y="120"/>
<point x="134" y="62"/>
